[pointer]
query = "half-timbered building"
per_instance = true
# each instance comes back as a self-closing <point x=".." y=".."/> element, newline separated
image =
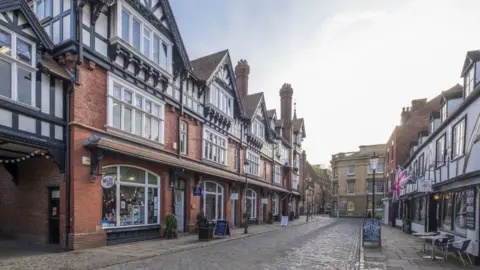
<point x="34" y="94"/>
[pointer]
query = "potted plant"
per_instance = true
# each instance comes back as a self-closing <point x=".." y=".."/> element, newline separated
<point x="204" y="227"/>
<point x="171" y="226"/>
<point x="270" y="217"/>
<point x="407" y="225"/>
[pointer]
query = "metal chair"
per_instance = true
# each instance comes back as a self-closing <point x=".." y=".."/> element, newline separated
<point x="442" y="244"/>
<point x="451" y="248"/>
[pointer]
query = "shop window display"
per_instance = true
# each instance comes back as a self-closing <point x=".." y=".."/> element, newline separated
<point x="211" y="201"/>
<point x="131" y="201"/>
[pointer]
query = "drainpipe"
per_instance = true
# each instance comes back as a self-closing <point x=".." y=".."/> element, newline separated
<point x="67" y="165"/>
<point x="179" y="118"/>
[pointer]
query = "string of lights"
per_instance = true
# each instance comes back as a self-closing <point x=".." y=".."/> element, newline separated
<point x="20" y="159"/>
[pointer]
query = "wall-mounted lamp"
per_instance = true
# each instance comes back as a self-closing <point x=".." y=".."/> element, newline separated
<point x="447" y="196"/>
<point x="436" y="197"/>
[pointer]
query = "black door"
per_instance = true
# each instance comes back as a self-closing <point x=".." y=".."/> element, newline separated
<point x="54" y="215"/>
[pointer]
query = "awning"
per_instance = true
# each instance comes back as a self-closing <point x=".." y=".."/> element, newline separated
<point x="117" y="146"/>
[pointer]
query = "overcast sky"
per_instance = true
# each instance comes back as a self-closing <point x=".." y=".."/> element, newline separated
<point x="352" y="64"/>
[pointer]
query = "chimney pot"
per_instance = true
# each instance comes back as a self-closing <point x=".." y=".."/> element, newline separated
<point x="242" y="70"/>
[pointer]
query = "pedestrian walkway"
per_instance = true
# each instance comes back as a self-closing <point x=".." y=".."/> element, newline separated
<point x="402" y="251"/>
<point x="110" y="255"/>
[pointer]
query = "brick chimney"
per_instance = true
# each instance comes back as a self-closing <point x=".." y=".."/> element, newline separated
<point x="417" y="103"/>
<point x="405" y="115"/>
<point x="286" y="93"/>
<point x="242" y="70"/>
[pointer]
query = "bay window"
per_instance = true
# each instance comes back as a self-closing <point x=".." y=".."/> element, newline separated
<point x="277" y="176"/>
<point x="142" y="38"/>
<point x="221" y="99"/>
<point x="211" y="200"/>
<point x="250" y="200"/>
<point x="214" y="147"/>
<point x="254" y="163"/>
<point x="141" y="116"/>
<point x="258" y="129"/>
<point x="17" y="68"/>
<point x="134" y="198"/>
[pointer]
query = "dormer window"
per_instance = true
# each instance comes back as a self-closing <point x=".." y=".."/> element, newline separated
<point x="470" y="81"/>
<point x="221" y="99"/>
<point x="258" y="129"/>
<point x="443" y="112"/>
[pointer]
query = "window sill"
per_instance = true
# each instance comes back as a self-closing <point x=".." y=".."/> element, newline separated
<point x="130" y="228"/>
<point x="213" y="163"/>
<point x="20" y="104"/>
<point x="134" y="138"/>
<point x="457" y="157"/>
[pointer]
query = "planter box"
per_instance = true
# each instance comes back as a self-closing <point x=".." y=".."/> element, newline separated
<point x="205" y="234"/>
<point x="407" y="228"/>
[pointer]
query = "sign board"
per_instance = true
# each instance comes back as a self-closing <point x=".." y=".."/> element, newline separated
<point x="470" y="198"/>
<point x="222" y="228"/>
<point x="108" y="181"/>
<point x="284" y="221"/>
<point x="264" y="201"/>
<point x="372" y="231"/>
<point x="234" y="196"/>
<point x="197" y="191"/>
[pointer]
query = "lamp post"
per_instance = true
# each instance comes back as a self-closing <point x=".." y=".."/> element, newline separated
<point x="307" y="181"/>
<point x="247" y="219"/>
<point x="373" y="166"/>
<point x="338" y="201"/>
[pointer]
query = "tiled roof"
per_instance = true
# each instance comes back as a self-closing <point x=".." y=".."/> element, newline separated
<point x="250" y="103"/>
<point x="204" y="67"/>
<point x="270" y="113"/>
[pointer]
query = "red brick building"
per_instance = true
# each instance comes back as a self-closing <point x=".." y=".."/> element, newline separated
<point x="122" y="127"/>
<point x="414" y="122"/>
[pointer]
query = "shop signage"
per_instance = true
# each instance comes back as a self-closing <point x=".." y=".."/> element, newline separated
<point x="372" y="231"/>
<point x="264" y="201"/>
<point x="284" y="221"/>
<point x="470" y="196"/>
<point x="108" y="181"/>
<point x="234" y="196"/>
<point x="197" y="191"/>
<point x="222" y="228"/>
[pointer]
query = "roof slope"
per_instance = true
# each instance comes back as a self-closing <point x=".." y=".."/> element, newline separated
<point x="204" y="67"/>
<point x="250" y="104"/>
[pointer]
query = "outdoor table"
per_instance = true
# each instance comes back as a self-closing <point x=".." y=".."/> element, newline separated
<point x="433" y="238"/>
<point x="424" y="239"/>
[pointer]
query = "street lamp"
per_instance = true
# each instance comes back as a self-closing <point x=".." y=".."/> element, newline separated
<point x="373" y="166"/>
<point x="245" y="169"/>
<point x="305" y="197"/>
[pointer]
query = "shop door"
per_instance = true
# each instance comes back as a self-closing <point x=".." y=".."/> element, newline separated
<point x="179" y="208"/>
<point x="54" y="215"/>
<point x="232" y="216"/>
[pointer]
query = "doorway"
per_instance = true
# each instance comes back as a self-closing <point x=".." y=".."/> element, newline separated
<point x="54" y="215"/>
<point x="232" y="216"/>
<point x="179" y="209"/>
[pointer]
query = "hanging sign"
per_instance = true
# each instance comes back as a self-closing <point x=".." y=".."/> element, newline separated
<point x="222" y="228"/>
<point x="108" y="181"/>
<point x="470" y="198"/>
<point x="264" y="201"/>
<point x="234" y="196"/>
<point x="197" y="191"/>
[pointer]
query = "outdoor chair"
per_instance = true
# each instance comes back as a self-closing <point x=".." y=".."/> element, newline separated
<point x="463" y="249"/>
<point x="442" y="244"/>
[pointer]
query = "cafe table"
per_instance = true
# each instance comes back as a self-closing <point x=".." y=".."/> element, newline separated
<point x="433" y="238"/>
<point x="420" y="235"/>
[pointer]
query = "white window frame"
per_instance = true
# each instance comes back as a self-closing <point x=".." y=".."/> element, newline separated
<point x="216" y="94"/>
<point x="258" y="129"/>
<point x="223" y="150"/>
<point x="470" y="81"/>
<point x="133" y="15"/>
<point x="113" y="80"/>
<point x="146" y="185"/>
<point x="458" y="135"/>
<point x="235" y="159"/>
<point x="183" y="137"/>
<point x="15" y="64"/>
<point x="275" y="204"/>
<point x="351" y="193"/>
<point x="218" y="196"/>
<point x="443" y="112"/>
<point x="277" y="175"/>
<point x="352" y="171"/>
<point x="254" y="163"/>
<point x="440" y="152"/>
<point x="253" y="210"/>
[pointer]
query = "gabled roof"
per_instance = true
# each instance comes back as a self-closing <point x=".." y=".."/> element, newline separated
<point x="299" y="125"/>
<point x="472" y="56"/>
<point x="434" y="114"/>
<point x="21" y="5"/>
<point x="271" y="113"/>
<point x="250" y="104"/>
<point x="452" y="93"/>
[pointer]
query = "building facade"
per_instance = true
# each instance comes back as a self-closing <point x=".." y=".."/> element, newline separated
<point x="444" y="166"/>
<point x="352" y="182"/>
<point x="119" y="128"/>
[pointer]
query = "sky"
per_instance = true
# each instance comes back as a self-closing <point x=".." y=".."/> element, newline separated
<point x="352" y="64"/>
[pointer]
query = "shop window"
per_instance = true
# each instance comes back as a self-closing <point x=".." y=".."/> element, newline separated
<point x="133" y="200"/>
<point x="275" y="204"/>
<point x="251" y="203"/>
<point x="416" y="207"/>
<point x="460" y="213"/>
<point x="422" y="210"/>
<point x="447" y="209"/>
<point x="211" y="201"/>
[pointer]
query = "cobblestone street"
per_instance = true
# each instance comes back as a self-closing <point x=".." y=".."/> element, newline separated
<point x="316" y="245"/>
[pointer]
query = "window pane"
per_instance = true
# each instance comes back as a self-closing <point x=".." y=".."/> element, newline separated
<point x="56" y="32"/>
<point x="460" y="213"/>
<point x="125" y="25"/>
<point x="48" y="8"/>
<point x="127" y="121"/>
<point x="146" y="42"/>
<point x="117" y="92"/>
<point x="138" y="102"/>
<point x="5" y="43"/>
<point x="109" y="200"/>
<point x="40" y="9"/>
<point x="210" y="206"/>
<point x="132" y="207"/>
<point x="24" y="86"/>
<point x="127" y="97"/>
<point x="148" y="106"/>
<point x="132" y="175"/>
<point x="117" y="119"/>
<point x="155" y="136"/>
<point x="6" y="79"/>
<point x="219" y="206"/>
<point x="447" y="213"/>
<point x="152" y="179"/>
<point x="138" y="123"/>
<point x="163" y="56"/>
<point x="136" y="35"/>
<point x="152" y="205"/>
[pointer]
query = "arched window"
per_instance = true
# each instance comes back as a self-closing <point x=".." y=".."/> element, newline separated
<point x="275" y="204"/>
<point x="211" y="201"/>
<point x="250" y="204"/>
<point x="131" y="197"/>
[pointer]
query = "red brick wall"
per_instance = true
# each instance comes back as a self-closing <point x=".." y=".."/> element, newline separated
<point x="194" y="138"/>
<point x="171" y="130"/>
<point x="24" y="207"/>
